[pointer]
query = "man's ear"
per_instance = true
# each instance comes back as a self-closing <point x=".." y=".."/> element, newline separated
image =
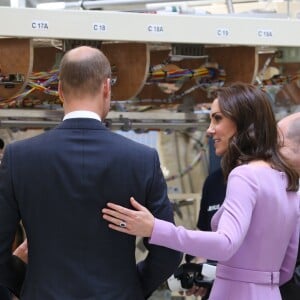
<point x="107" y="88"/>
<point x="60" y="92"/>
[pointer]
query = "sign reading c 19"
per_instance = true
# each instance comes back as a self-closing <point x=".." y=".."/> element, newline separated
<point x="222" y="32"/>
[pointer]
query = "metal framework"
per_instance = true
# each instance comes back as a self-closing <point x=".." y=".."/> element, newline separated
<point x="39" y="118"/>
<point x="232" y="29"/>
<point x="113" y="26"/>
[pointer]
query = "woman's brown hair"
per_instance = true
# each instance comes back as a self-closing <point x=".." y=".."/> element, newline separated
<point x="257" y="137"/>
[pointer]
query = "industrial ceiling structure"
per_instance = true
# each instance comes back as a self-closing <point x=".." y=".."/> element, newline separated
<point x="177" y="119"/>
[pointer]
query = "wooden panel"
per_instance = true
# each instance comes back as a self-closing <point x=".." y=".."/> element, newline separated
<point x="131" y="64"/>
<point x="16" y="56"/>
<point x="46" y="59"/>
<point x="239" y="62"/>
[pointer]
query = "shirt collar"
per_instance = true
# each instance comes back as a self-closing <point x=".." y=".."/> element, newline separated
<point x="81" y="114"/>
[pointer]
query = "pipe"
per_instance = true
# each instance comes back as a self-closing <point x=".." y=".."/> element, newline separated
<point x="99" y="4"/>
<point x="230" y="7"/>
<point x="17" y="3"/>
<point x="95" y="4"/>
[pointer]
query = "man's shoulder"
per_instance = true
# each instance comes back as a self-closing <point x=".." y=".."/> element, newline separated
<point x="128" y="143"/>
<point x="28" y="140"/>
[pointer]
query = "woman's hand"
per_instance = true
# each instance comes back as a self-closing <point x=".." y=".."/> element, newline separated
<point x="137" y="222"/>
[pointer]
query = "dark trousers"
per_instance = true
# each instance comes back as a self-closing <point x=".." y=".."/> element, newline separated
<point x="290" y="291"/>
<point x="4" y="293"/>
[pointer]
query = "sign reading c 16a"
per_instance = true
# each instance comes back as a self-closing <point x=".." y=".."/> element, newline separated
<point x="264" y="33"/>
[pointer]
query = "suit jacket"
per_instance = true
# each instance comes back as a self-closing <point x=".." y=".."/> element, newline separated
<point x="57" y="183"/>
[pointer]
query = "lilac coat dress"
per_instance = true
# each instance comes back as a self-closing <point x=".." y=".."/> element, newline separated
<point x="255" y="236"/>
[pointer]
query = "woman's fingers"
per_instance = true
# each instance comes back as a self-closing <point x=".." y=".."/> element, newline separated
<point x="112" y="219"/>
<point x="127" y="211"/>
<point x="122" y="210"/>
<point x="118" y="224"/>
<point x="137" y="205"/>
<point x="123" y="213"/>
<point x="115" y="214"/>
<point x="137" y="222"/>
<point x="121" y="229"/>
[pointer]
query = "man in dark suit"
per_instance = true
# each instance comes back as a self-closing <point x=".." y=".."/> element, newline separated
<point x="289" y="128"/>
<point x="58" y="183"/>
<point x="4" y="292"/>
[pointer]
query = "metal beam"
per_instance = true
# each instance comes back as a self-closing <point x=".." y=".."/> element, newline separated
<point x="232" y="29"/>
<point x="26" y="118"/>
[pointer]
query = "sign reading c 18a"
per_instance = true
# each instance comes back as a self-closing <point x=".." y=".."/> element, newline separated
<point x="155" y="28"/>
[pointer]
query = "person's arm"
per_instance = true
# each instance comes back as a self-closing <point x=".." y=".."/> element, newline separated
<point x="232" y="226"/>
<point x="12" y="269"/>
<point x="212" y="197"/>
<point x="203" y="222"/>
<point x="220" y="245"/>
<point x="160" y="262"/>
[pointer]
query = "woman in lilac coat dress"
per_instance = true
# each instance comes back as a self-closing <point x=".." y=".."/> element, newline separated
<point x="256" y="231"/>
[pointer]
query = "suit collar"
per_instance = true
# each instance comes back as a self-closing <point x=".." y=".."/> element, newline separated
<point x="81" y="123"/>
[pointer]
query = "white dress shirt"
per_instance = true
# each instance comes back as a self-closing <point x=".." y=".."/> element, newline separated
<point x="81" y="114"/>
